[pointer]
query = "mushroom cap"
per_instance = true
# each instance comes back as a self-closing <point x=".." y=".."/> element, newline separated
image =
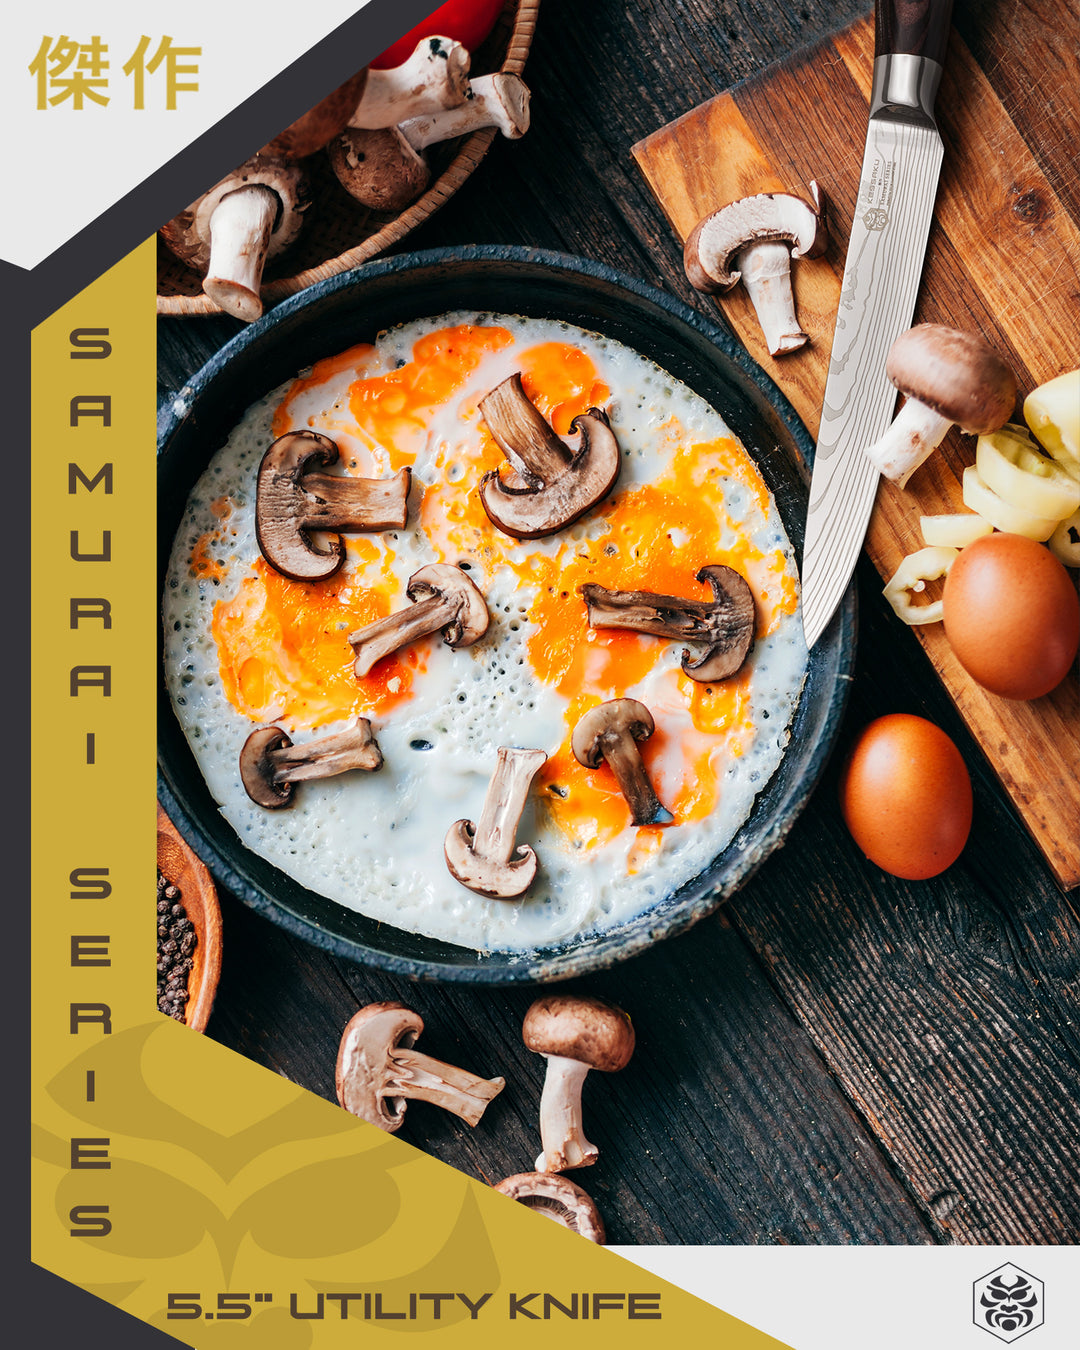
<point x="617" y="715"/>
<point x="767" y="217"/>
<point x="313" y="129"/>
<point x="188" y="233"/>
<point x="257" y="769"/>
<point x="496" y="880"/>
<point x="731" y="591"/>
<point x="957" y="375"/>
<point x="450" y="581"/>
<point x="578" y="1027"/>
<point x="556" y="1197"/>
<point x="367" y="1042"/>
<point x="379" y="168"/>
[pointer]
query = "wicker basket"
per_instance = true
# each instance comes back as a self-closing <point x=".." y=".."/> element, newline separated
<point x="341" y="233"/>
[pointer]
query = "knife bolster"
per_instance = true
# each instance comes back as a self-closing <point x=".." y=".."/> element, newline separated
<point x="905" y="88"/>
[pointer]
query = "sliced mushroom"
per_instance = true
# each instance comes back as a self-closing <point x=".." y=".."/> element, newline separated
<point x="378" y="1071"/>
<point x="434" y="78"/>
<point x="292" y="500"/>
<point x="754" y="240"/>
<point x="556" y="1197"/>
<point x="574" y="1033"/>
<point x="444" y="599"/>
<point x="725" y="624"/>
<point x="611" y="731"/>
<point x="552" y="486"/>
<point x="481" y="856"/>
<point x="228" y="234"/>
<point x="949" y="377"/>
<point x="270" y="764"/>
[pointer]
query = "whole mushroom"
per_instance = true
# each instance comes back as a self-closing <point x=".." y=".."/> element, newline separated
<point x="575" y="1033"/>
<point x="385" y="169"/>
<point x="378" y="1071"/>
<point x="552" y="485"/>
<point x="753" y="240"/>
<point x="558" y="1198"/>
<point x="435" y="77"/>
<point x="229" y="233"/>
<point x="256" y="212"/>
<point x="949" y="378"/>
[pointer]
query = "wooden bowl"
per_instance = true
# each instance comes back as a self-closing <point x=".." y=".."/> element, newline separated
<point x="340" y="233"/>
<point x="179" y="865"/>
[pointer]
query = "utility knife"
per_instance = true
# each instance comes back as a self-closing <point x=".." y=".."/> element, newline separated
<point x="884" y="264"/>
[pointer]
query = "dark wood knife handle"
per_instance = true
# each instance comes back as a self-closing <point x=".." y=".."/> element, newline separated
<point x="913" y="28"/>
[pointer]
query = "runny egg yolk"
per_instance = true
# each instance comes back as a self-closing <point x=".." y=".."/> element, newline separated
<point x="283" y="646"/>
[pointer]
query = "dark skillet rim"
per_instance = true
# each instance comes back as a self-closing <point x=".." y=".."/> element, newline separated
<point x="696" y="898"/>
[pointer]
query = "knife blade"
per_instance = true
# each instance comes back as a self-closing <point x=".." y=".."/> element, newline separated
<point x="886" y="251"/>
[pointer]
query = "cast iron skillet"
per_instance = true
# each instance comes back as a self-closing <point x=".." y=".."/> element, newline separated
<point x="353" y="307"/>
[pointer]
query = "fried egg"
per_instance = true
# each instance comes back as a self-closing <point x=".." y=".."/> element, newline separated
<point x="246" y="646"/>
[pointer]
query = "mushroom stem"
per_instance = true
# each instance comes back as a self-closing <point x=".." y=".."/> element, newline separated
<point x="355" y="748"/>
<point x="421" y="1078"/>
<point x="523" y="433"/>
<point x="624" y="759"/>
<point x="914" y="435"/>
<point x="766" y="274"/>
<point x="434" y="78"/>
<point x="443" y="598"/>
<point x="340" y="502"/>
<point x="481" y="856"/>
<point x="500" y="100"/>
<point x="561" y="1130"/>
<point x="496" y="830"/>
<point x="240" y="231"/>
<point x="270" y="763"/>
<point x="384" y="636"/>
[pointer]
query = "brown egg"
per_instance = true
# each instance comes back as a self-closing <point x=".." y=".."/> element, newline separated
<point x="1012" y="616"/>
<point x="906" y="796"/>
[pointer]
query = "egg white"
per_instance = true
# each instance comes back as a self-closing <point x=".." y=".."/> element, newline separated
<point x="374" y="842"/>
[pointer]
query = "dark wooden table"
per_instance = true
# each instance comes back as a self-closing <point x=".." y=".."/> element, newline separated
<point x="837" y="1056"/>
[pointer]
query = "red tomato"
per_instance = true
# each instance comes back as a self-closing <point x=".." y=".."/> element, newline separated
<point x="906" y="796"/>
<point x="467" y="21"/>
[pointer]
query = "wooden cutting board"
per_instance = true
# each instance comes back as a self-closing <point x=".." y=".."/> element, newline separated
<point x="1002" y="260"/>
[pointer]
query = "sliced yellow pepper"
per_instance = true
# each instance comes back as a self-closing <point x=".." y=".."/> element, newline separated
<point x="1065" y="541"/>
<point x="1053" y="413"/>
<point x="1010" y="464"/>
<point x="911" y="576"/>
<point x="1001" y="514"/>
<point x="953" y="531"/>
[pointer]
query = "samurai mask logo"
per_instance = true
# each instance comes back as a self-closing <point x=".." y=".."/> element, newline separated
<point x="1008" y="1303"/>
<point x="875" y="218"/>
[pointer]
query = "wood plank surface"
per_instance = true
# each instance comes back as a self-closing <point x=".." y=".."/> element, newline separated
<point x="838" y="1056"/>
<point x="1003" y="258"/>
